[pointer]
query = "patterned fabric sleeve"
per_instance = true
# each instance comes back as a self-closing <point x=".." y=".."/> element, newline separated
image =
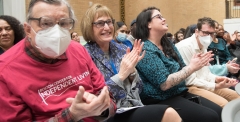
<point x="116" y="87"/>
<point x="63" y="116"/>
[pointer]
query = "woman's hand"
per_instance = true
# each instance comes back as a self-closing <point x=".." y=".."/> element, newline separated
<point x="130" y="60"/>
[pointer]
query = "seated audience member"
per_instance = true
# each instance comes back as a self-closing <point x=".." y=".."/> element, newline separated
<point x="202" y="82"/>
<point x="163" y="71"/>
<point x="178" y="36"/>
<point x="117" y="64"/>
<point x="237" y="47"/>
<point x="234" y="48"/>
<point x="190" y="30"/>
<point x="55" y="79"/>
<point x="219" y="49"/>
<point x="229" y="40"/>
<point x="74" y="36"/>
<point x="170" y="37"/>
<point x="11" y="32"/>
<point x="220" y="70"/>
<point x="222" y="55"/>
<point x="183" y="30"/>
<point x="121" y="34"/>
<point x="132" y="31"/>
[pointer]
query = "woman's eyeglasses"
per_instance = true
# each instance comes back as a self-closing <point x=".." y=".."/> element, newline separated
<point x="101" y="23"/>
<point x="158" y="16"/>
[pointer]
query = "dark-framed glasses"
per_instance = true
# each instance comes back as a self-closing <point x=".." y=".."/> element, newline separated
<point x="101" y="23"/>
<point x="46" y="22"/>
<point x="157" y="16"/>
<point x="208" y="33"/>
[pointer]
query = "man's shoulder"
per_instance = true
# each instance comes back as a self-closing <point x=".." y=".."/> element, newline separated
<point x="13" y="52"/>
<point x="76" y="48"/>
<point x="185" y="43"/>
<point x="13" y="55"/>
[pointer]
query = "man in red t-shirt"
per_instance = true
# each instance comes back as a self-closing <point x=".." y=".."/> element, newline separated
<point x="48" y="77"/>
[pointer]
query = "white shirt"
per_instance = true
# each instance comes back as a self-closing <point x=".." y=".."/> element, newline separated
<point x="202" y="78"/>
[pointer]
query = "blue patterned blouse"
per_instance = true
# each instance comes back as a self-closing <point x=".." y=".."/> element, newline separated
<point x="154" y="69"/>
<point x="125" y="94"/>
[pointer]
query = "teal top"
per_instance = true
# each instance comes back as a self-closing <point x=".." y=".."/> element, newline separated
<point x="222" y="51"/>
<point x="154" y="70"/>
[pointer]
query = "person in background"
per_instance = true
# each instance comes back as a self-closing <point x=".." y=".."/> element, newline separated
<point x="234" y="48"/>
<point x="183" y="30"/>
<point x="163" y="71"/>
<point x="11" y="32"/>
<point x="229" y="43"/>
<point x="132" y="31"/>
<point x="121" y="34"/>
<point x="236" y="42"/>
<point x="170" y="37"/>
<point x="202" y="82"/>
<point x="190" y="30"/>
<point x="75" y="37"/>
<point x="219" y="48"/>
<point x="227" y="38"/>
<point x="55" y="79"/>
<point x="222" y="55"/>
<point x="220" y="70"/>
<point x="117" y="64"/>
<point x="178" y="36"/>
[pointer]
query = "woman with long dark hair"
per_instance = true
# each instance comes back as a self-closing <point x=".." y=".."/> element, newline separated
<point x="117" y="64"/>
<point x="163" y="71"/>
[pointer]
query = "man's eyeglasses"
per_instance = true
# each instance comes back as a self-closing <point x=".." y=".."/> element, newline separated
<point x="101" y="23"/>
<point x="158" y="16"/>
<point x="208" y="33"/>
<point x="46" y="22"/>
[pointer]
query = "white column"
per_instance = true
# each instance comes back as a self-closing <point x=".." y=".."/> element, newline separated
<point x="15" y="8"/>
<point x="1" y="7"/>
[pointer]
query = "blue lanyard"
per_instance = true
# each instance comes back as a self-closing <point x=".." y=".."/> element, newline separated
<point x="113" y="66"/>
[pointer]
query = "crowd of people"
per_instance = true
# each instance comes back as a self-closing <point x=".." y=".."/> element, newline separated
<point x="141" y="74"/>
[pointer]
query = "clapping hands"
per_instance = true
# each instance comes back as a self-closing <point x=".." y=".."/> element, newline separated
<point x="224" y="82"/>
<point x="130" y="60"/>
<point x="86" y="104"/>
<point x="199" y="60"/>
<point x="232" y="67"/>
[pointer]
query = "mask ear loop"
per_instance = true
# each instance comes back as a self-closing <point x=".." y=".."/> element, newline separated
<point x="35" y="34"/>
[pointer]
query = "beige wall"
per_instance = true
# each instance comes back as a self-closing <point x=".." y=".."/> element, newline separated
<point x="81" y="6"/>
<point x="179" y="13"/>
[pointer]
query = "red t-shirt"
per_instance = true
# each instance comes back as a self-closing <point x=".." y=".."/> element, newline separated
<point x="31" y="90"/>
